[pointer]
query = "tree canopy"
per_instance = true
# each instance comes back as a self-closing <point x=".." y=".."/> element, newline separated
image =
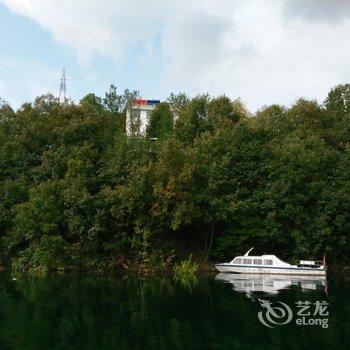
<point x="76" y="192"/>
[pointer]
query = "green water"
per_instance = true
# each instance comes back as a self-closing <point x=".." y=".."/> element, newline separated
<point x="75" y="311"/>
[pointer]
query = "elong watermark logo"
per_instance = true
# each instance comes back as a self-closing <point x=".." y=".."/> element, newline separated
<point x="307" y="314"/>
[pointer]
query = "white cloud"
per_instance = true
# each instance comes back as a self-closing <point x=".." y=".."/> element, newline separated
<point x="324" y="10"/>
<point x="28" y="78"/>
<point x="92" y="26"/>
<point x="263" y="51"/>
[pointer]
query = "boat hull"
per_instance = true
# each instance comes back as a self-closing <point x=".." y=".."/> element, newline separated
<point x="270" y="270"/>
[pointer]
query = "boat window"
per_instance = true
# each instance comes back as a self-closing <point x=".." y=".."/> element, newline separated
<point x="237" y="260"/>
<point x="257" y="261"/>
<point x="247" y="261"/>
<point x="268" y="262"/>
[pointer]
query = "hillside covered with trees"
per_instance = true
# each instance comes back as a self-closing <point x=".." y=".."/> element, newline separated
<point x="76" y="192"/>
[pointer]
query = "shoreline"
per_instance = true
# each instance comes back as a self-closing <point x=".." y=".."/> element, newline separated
<point x="207" y="268"/>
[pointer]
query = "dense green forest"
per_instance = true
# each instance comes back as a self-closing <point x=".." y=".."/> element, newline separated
<point x="76" y="192"/>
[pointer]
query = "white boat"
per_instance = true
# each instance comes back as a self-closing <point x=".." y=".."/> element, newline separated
<point x="270" y="264"/>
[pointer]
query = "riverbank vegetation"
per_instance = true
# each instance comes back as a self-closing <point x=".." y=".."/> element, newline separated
<point x="77" y="193"/>
<point x="185" y="272"/>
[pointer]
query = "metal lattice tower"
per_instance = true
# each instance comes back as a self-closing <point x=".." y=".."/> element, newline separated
<point x="63" y="88"/>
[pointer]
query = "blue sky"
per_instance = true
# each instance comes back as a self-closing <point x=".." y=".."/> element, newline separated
<point x="31" y="63"/>
<point x="264" y="52"/>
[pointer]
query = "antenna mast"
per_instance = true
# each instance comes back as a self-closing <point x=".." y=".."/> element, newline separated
<point x="63" y="88"/>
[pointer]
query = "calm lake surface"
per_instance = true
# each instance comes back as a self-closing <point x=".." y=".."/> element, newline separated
<point x="75" y="311"/>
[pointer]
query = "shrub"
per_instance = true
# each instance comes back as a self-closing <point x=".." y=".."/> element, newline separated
<point x="185" y="272"/>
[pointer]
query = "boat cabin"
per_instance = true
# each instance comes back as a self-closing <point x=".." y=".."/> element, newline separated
<point x="259" y="260"/>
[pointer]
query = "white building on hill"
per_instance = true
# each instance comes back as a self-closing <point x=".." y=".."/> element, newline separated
<point x="138" y="116"/>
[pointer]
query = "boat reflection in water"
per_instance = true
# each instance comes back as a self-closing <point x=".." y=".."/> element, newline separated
<point x="271" y="284"/>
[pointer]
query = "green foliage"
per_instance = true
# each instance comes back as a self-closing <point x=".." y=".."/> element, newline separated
<point x="185" y="272"/>
<point x="338" y="99"/>
<point x="49" y="254"/>
<point x="221" y="107"/>
<point x="178" y="102"/>
<point x="91" y="101"/>
<point x="161" y="122"/>
<point x="240" y="111"/>
<point x="193" y="119"/>
<point x="6" y="112"/>
<point x="76" y="192"/>
<point x="117" y="104"/>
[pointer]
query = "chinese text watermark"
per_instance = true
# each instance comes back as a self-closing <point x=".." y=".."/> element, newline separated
<point x="306" y="313"/>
